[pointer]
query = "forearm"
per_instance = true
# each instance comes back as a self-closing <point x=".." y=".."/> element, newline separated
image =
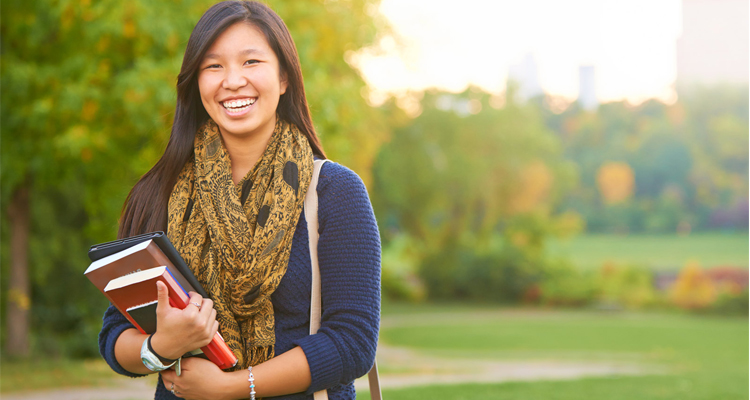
<point x="128" y="351"/>
<point x="284" y="374"/>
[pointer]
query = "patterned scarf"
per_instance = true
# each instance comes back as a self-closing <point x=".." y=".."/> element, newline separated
<point x="237" y="238"/>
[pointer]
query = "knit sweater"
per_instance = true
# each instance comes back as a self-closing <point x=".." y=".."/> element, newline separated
<point x="349" y="257"/>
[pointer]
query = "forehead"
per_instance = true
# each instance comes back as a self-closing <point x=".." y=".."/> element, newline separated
<point x="239" y="39"/>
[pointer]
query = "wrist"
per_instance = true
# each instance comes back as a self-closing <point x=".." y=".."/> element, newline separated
<point x="164" y="360"/>
<point x="234" y="385"/>
<point x="165" y="348"/>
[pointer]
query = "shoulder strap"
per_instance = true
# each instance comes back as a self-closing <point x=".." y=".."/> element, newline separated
<point x="311" y="216"/>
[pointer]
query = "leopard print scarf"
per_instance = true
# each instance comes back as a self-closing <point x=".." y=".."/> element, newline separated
<point x="237" y="238"/>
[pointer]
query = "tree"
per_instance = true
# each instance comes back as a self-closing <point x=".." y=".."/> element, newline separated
<point x="615" y="181"/>
<point x="474" y="188"/>
<point x="449" y="171"/>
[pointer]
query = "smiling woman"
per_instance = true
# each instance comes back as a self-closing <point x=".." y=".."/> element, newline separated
<point x="229" y="191"/>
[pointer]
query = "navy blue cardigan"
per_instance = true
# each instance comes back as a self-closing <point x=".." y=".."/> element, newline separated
<point x="349" y="256"/>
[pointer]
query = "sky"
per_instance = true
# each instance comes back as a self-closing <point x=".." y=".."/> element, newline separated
<point x="450" y="45"/>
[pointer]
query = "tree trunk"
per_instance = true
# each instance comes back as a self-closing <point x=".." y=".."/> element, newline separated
<point x="19" y="300"/>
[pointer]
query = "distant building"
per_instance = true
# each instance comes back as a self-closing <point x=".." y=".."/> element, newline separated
<point x="714" y="44"/>
<point x="587" y="87"/>
<point x="525" y="77"/>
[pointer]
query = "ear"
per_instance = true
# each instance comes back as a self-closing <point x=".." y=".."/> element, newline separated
<point x="283" y="83"/>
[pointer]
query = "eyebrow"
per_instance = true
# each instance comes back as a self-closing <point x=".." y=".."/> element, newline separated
<point x="243" y="52"/>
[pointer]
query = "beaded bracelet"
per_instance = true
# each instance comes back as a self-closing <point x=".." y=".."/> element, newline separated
<point x="251" y="380"/>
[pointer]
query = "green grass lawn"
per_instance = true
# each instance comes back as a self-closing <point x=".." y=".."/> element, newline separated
<point x="654" y="251"/>
<point x="706" y="357"/>
<point x="56" y="373"/>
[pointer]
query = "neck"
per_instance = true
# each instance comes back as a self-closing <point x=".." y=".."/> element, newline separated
<point x="244" y="152"/>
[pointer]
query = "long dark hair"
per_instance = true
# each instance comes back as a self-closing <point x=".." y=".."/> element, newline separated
<point x="145" y="209"/>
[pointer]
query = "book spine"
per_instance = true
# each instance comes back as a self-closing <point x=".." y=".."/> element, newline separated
<point x="217" y="350"/>
<point x="166" y="247"/>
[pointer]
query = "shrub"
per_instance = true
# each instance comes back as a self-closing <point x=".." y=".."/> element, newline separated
<point x="625" y="286"/>
<point x="502" y="274"/>
<point x="729" y="303"/>
<point x="693" y="289"/>
<point x="563" y="284"/>
<point x="399" y="279"/>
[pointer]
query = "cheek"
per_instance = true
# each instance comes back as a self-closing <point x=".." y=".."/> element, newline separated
<point x="206" y="88"/>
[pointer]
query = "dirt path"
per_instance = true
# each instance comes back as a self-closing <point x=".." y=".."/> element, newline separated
<point x="422" y="370"/>
<point x="401" y="367"/>
<point x="127" y="389"/>
<point x="406" y="368"/>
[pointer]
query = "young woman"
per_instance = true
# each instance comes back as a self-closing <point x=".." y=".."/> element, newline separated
<point x="229" y="192"/>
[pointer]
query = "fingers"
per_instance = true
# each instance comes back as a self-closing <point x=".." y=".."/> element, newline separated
<point x="207" y="308"/>
<point x="214" y="328"/>
<point x="196" y="301"/>
<point x="162" y="295"/>
<point x="210" y="322"/>
<point x="167" y="376"/>
<point x="205" y="312"/>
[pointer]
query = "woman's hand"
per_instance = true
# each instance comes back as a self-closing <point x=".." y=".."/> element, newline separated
<point x="179" y="331"/>
<point x="200" y="380"/>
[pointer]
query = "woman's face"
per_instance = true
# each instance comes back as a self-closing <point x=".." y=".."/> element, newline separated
<point x="240" y="82"/>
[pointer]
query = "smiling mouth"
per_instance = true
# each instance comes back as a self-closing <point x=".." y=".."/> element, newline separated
<point x="238" y="105"/>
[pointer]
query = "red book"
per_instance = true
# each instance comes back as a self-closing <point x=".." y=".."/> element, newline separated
<point x="137" y="289"/>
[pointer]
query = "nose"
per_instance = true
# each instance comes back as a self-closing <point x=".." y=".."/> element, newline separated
<point x="234" y="79"/>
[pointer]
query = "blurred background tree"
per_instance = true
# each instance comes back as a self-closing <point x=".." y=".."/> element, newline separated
<point x="688" y="161"/>
<point x="475" y="187"/>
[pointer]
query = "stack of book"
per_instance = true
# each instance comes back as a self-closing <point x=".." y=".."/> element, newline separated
<point x="126" y="271"/>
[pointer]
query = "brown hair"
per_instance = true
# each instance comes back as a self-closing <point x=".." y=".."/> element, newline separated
<point x="145" y="208"/>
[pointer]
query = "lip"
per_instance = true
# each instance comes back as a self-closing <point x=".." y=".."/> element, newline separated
<point x="241" y="112"/>
<point x="229" y="98"/>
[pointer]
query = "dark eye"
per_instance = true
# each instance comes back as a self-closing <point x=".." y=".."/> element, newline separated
<point x="251" y="62"/>
<point x="212" y="66"/>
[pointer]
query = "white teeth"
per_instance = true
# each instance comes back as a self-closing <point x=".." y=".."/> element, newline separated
<point x="238" y="103"/>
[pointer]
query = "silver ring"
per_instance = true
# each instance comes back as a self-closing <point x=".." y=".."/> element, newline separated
<point x="172" y="388"/>
<point x="195" y="303"/>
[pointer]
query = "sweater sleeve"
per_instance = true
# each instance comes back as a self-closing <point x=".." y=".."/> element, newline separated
<point x="349" y="258"/>
<point x="113" y="324"/>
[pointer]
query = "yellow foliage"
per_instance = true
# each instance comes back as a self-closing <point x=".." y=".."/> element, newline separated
<point x="569" y="223"/>
<point x="173" y="42"/>
<point x="128" y="29"/>
<point x="519" y="239"/>
<point x="67" y="18"/>
<point x="615" y="181"/>
<point x="693" y="288"/>
<point x="536" y="181"/>
<point x="103" y="43"/>
<point x="88" y="111"/>
<point x="625" y="285"/>
<point x="20" y="299"/>
<point x="86" y="154"/>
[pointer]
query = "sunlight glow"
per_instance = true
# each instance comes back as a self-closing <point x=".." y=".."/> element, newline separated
<point x="441" y="44"/>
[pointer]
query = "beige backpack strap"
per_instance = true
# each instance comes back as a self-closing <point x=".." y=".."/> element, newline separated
<point x="311" y="216"/>
<point x="374" y="380"/>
